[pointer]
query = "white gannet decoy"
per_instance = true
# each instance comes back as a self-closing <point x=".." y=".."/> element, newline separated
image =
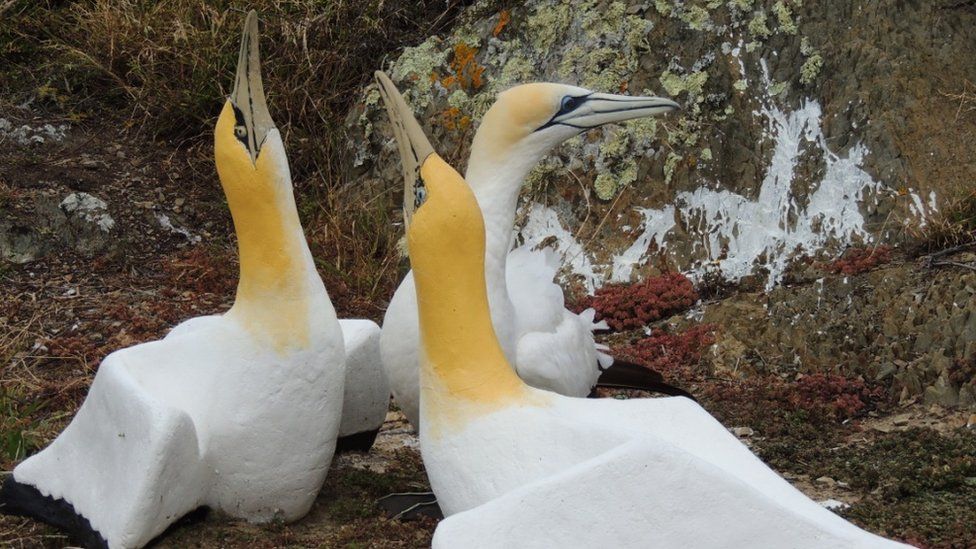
<point x="238" y="412"/>
<point x="515" y="466"/>
<point x="550" y="347"/>
<point x="367" y="392"/>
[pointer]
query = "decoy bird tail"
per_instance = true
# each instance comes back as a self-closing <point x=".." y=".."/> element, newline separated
<point x="628" y="375"/>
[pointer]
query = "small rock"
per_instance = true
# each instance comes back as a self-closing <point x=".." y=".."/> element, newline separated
<point x="901" y="420"/>
<point x="89" y="164"/>
<point x="834" y="504"/>
<point x="971" y="424"/>
<point x="826" y="481"/>
<point x="743" y="432"/>
<point x="882" y="428"/>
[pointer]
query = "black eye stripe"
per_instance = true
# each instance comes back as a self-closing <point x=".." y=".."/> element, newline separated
<point x="570" y="103"/>
<point x="567" y="104"/>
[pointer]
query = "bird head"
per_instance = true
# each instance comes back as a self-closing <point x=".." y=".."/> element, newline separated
<point x="245" y="125"/>
<point x="530" y="119"/>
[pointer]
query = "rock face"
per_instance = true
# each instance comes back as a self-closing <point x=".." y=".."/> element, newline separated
<point x="807" y="126"/>
<point x="914" y="327"/>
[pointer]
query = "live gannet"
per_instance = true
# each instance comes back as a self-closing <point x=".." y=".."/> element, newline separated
<point x="550" y="347"/>
<point x="238" y="412"/>
<point x="515" y="466"/>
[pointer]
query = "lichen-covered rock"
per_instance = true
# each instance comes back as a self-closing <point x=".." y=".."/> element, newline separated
<point x="807" y="125"/>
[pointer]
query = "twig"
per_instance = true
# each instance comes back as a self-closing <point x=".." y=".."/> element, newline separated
<point x="954" y="264"/>
<point x="928" y="261"/>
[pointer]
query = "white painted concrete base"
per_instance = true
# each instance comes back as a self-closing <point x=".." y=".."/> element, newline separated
<point x="367" y="391"/>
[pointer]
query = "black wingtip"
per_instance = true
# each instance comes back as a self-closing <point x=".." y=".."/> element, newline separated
<point x="628" y="375"/>
<point x="24" y="500"/>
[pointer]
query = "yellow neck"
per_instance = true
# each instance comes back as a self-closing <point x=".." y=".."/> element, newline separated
<point x="462" y="357"/>
<point x="272" y="295"/>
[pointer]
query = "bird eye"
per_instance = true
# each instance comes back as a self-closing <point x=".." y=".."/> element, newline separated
<point x="570" y="104"/>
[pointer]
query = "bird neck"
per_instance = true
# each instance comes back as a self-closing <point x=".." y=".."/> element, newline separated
<point x="495" y="174"/>
<point x="462" y="359"/>
<point x="278" y="283"/>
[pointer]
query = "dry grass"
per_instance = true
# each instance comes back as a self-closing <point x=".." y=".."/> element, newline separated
<point x="953" y="225"/>
<point x="160" y="70"/>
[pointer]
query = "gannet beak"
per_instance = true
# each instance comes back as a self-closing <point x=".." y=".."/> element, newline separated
<point x="596" y="109"/>
<point x="411" y="141"/>
<point x="250" y="108"/>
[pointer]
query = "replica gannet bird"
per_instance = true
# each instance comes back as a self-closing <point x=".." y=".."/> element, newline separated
<point x="515" y="466"/>
<point x="550" y="347"/>
<point x="237" y="412"/>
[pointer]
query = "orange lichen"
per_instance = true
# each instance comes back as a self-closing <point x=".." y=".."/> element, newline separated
<point x="452" y="119"/>
<point x="504" y="17"/>
<point x="466" y="72"/>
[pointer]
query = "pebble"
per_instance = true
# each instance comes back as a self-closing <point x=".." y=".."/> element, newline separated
<point x="743" y="432"/>
<point x="826" y="481"/>
<point x="89" y="164"/>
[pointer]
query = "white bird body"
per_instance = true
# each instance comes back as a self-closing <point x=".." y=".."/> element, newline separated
<point x="367" y="392"/>
<point x="239" y="412"/>
<point x="515" y="466"/>
<point x="644" y="472"/>
<point x="550" y="347"/>
<point x="222" y="412"/>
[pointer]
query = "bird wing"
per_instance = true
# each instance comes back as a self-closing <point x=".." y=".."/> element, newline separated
<point x="644" y="493"/>
<point x="555" y="348"/>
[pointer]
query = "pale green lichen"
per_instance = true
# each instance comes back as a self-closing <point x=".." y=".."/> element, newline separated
<point x="758" y="26"/>
<point x="664" y="7"/>
<point x="458" y="99"/>
<point x="417" y="65"/>
<point x="616" y="146"/>
<point x="670" y="165"/>
<point x="372" y="99"/>
<point x="741" y="5"/>
<point x="805" y="48"/>
<point x="740" y="85"/>
<point x="642" y="130"/>
<point x="541" y="174"/>
<point x="697" y="18"/>
<point x="778" y="88"/>
<point x="595" y="28"/>
<point x="516" y="70"/>
<point x="811" y="68"/>
<point x="785" y="17"/>
<point x="547" y="24"/>
<point x="607" y="184"/>
<point x="752" y="46"/>
<point x="706" y="154"/>
<point x="692" y="83"/>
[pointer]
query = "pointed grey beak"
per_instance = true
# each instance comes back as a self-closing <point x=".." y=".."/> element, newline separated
<point x="596" y="109"/>
<point x="250" y="108"/>
<point x="411" y="141"/>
